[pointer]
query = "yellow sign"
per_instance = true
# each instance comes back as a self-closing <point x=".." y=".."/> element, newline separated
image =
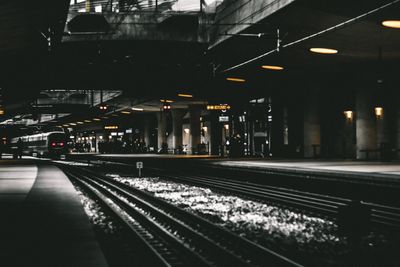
<point x="111" y="127"/>
<point x="218" y="107"/>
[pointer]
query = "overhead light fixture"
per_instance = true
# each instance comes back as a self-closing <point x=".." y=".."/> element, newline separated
<point x="185" y="95"/>
<point x="378" y="112"/>
<point x="348" y="114"/>
<point x="233" y="79"/>
<point x="391" y="24"/>
<point x="321" y="50"/>
<point x="272" y="67"/>
<point x="97" y="119"/>
<point x="72" y="124"/>
<point x="137" y="109"/>
<point x="65" y="125"/>
<point x="80" y="122"/>
<point x="87" y="121"/>
<point x="125" y="112"/>
<point x="166" y="101"/>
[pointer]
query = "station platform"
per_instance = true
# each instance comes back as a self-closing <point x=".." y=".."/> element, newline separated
<point x="43" y="222"/>
<point x="345" y="168"/>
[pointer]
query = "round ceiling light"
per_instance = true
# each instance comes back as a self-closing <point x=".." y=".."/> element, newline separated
<point x="391" y="24"/>
<point x="271" y="67"/>
<point x="321" y="50"/>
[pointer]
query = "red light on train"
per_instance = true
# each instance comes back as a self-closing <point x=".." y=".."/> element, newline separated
<point x="61" y="144"/>
<point x="53" y="144"/>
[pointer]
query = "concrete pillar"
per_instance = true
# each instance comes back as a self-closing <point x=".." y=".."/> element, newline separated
<point x="397" y="126"/>
<point x="312" y="125"/>
<point x="161" y="127"/>
<point x="216" y="135"/>
<point x="147" y="130"/>
<point x="177" y="115"/>
<point x="194" y="128"/>
<point x="366" y="136"/>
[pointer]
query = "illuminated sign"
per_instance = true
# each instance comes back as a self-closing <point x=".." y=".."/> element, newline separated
<point x="218" y="107"/>
<point x="223" y="118"/>
<point x="110" y="127"/>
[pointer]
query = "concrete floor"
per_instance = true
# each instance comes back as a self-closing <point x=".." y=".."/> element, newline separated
<point x="42" y="219"/>
<point x="329" y="166"/>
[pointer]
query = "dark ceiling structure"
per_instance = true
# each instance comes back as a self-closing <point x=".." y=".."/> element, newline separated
<point x="146" y="69"/>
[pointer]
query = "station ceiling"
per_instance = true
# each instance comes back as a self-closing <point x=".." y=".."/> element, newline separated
<point x="149" y="70"/>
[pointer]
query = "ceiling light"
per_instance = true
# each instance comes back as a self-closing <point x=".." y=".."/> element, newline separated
<point x="79" y="122"/>
<point x="72" y="124"/>
<point x="125" y="112"/>
<point x="166" y="101"/>
<point x="232" y="79"/>
<point x="137" y="109"/>
<point x="87" y="121"/>
<point x="96" y="119"/>
<point x="320" y="50"/>
<point x="271" y="67"/>
<point x="185" y="95"/>
<point x="391" y="24"/>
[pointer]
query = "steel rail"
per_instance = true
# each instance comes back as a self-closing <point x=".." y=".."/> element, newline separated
<point x="166" y="247"/>
<point x="251" y="253"/>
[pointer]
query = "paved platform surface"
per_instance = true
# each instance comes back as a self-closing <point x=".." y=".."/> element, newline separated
<point x="42" y="220"/>
<point x="345" y="167"/>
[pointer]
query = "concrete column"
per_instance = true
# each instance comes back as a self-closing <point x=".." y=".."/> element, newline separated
<point x="194" y="128"/>
<point x="397" y="127"/>
<point x="147" y="129"/>
<point x="366" y="136"/>
<point x="216" y="135"/>
<point x="161" y="127"/>
<point x="177" y="115"/>
<point x="312" y="125"/>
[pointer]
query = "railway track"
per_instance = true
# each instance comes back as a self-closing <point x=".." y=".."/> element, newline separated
<point x="382" y="217"/>
<point x="175" y="236"/>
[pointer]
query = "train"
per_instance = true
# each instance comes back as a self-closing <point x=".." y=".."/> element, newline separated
<point x="47" y="144"/>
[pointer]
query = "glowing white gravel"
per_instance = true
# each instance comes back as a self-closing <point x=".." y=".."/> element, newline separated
<point x="255" y="220"/>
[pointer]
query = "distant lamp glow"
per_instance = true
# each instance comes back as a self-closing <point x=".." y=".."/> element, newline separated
<point x="186" y="95"/>
<point x="205" y="129"/>
<point x="327" y="51"/>
<point x="391" y="24"/>
<point x="125" y="112"/>
<point x="348" y="114"/>
<point x="137" y="109"/>
<point x="166" y="101"/>
<point x="80" y="122"/>
<point x="226" y="126"/>
<point x="87" y="121"/>
<point x="186" y="130"/>
<point x="378" y="112"/>
<point x="233" y="79"/>
<point x="96" y="119"/>
<point x="271" y="67"/>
